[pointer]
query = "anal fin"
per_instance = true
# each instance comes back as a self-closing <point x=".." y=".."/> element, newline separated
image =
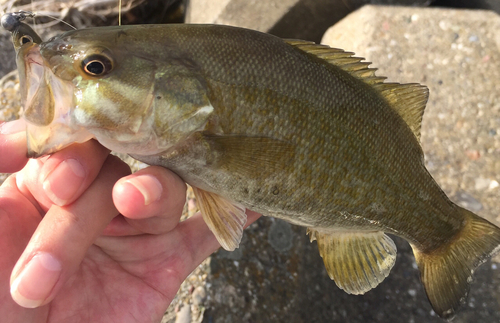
<point x="224" y="218"/>
<point x="356" y="261"/>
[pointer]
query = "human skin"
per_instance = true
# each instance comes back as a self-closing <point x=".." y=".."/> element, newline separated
<point x="83" y="240"/>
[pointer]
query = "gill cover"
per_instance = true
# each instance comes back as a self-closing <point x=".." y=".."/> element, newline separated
<point x="132" y="101"/>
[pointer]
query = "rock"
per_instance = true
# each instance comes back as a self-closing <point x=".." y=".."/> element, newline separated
<point x="184" y="315"/>
<point x="467" y="201"/>
<point x="485" y="183"/>
<point x="7" y="53"/>
<point x="280" y="235"/>
<point x="10" y="98"/>
<point x="303" y="19"/>
<point x="199" y="295"/>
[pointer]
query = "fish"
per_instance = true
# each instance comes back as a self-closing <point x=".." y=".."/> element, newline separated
<point x="288" y="128"/>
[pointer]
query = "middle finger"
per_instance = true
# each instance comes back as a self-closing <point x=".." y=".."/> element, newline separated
<point x="151" y="200"/>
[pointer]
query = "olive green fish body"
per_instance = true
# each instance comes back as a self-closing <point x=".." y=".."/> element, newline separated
<point x="288" y="128"/>
<point x="348" y="141"/>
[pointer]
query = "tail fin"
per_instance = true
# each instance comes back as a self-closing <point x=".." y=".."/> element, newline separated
<point x="446" y="272"/>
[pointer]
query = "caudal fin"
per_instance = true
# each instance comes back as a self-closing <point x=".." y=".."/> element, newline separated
<point x="446" y="272"/>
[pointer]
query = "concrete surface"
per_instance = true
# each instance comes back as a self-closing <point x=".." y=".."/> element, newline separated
<point x="302" y="19"/>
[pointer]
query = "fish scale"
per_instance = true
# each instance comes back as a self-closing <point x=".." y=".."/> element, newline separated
<point x="305" y="125"/>
<point x="288" y="128"/>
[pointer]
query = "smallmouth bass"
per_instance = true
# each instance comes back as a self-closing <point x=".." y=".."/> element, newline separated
<point x="287" y="128"/>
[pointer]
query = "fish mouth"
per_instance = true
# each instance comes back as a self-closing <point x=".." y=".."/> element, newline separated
<point x="48" y="106"/>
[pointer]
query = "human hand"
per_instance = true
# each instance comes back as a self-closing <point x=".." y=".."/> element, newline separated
<point x="71" y="255"/>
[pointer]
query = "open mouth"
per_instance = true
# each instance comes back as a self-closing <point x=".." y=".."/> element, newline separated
<point x="48" y="107"/>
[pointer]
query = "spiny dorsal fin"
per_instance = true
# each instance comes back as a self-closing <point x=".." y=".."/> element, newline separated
<point x="408" y="100"/>
<point x="340" y="58"/>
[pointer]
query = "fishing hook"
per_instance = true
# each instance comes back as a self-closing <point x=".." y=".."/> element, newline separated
<point x="12" y="20"/>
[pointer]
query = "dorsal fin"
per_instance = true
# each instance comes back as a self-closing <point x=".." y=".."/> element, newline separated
<point x="408" y="100"/>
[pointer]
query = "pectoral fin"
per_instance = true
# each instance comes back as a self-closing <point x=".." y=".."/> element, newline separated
<point x="248" y="155"/>
<point x="225" y="219"/>
<point x="356" y="261"/>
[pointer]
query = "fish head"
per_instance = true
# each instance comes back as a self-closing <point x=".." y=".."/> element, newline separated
<point x="44" y="98"/>
<point x="111" y="89"/>
<point x="105" y="83"/>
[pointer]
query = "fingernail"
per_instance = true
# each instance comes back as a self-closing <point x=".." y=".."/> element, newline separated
<point x="12" y="127"/>
<point x="36" y="281"/>
<point x="64" y="181"/>
<point x="149" y="186"/>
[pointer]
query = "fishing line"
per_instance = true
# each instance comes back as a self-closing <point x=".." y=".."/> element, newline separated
<point x="22" y="15"/>
<point x="56" y="19"/>
<point x="33" y="10"/>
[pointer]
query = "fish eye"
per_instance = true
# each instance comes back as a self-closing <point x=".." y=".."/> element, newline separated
<point x="25" y="39"/>
<point x="97" y="65"/>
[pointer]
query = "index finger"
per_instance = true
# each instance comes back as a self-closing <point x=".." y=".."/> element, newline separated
<point x="63" y="176"/>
